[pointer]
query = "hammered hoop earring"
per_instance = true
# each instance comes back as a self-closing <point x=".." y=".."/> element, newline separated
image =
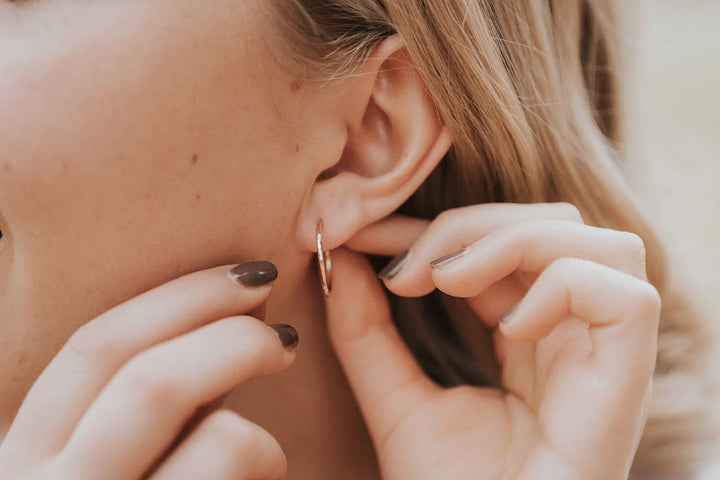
<point x="324" y="261"/>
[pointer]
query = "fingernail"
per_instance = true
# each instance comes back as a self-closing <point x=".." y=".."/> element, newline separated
<point x="448" y="259"/>
<point x="287" y="334"/>
<point x="394" y="267"/>
<point x="253" y="274"/>
<point x="507" y="316"/>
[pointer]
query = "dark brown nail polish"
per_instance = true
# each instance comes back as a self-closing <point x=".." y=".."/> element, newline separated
<point x="394" y="267"/>
<point x="253" y="274"/>
<point x="448" y="259"/>
<point x="287" y="334"/>
<point x="507" y="316"/>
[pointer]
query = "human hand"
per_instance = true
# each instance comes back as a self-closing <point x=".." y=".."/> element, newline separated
<point x="135" y="392"/>
<point x="577" y="354"/>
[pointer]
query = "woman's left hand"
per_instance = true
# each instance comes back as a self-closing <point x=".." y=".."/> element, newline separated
<point x="577" y="353"/>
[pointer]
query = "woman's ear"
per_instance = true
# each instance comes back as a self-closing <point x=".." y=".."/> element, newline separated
<point x="395" y="138"/>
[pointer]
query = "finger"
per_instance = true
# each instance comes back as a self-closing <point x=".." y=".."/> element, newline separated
<point x="386" y="379"/>
<point x="393" y="235"/>
<point x="622" y="313"/>
<point x="98" y="349"/>
<point x="225" y="446"/>
<point x="150" y="399"/>
<point x="531" y="247"/>
<point x="389" y="237"/>
<point x="198" y="417"/>
<point x="596" y="393"/>
<point x="455" y="229"/>
<point x="497" y="298"/>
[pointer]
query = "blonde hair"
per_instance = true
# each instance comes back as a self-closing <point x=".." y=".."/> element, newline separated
<point x="531" y="92"/>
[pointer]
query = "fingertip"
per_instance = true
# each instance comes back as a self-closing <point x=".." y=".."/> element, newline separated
<point x="287" y="335"/>
<point x="357" y="299"/>
<point x="456" y="281"/>
<point x="406" y="277"/>
<point x="512" y="330"/>
<point x="392" y="269"/>
<point x="519" y="324"/>
<point x="507" y="315"/>
<point x="508" y="322"/>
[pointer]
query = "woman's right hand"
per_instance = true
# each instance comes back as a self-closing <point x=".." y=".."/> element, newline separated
<point x="133" y="393"/>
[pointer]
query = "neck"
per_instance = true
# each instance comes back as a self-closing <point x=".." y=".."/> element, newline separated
<point x="309" y="408"/>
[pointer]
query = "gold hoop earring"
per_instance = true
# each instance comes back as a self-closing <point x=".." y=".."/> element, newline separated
<point x="324" y="261"/>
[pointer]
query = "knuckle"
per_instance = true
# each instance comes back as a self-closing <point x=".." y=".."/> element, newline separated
<point x="447" y="217"/>
<point x="564" y="272"/>
<point x="240" y="440"/>
<point x="636" y="251"/>
<point x="92" y="343"/>
<point x="195" y="292"/>
<point x="649" y="301"/>
<point x="230" y="430"/>
<point x="521" y="235"/>
<point x="564" y="268"/>
<point x="569" y="211"/>
<point x="635" y="243"/>
<point x="148" y="380"/>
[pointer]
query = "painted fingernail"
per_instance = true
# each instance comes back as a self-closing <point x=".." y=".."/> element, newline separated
<point x="449" y="259"/>
<point x="394" y="267"/>
<point x="253" y="274"/>
<point x="507" y="316"/>
<point x="287" y="335"/>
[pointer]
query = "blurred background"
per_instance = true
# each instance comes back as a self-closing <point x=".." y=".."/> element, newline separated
<point x="679" y="99"/>
<point x="678" y="94"/>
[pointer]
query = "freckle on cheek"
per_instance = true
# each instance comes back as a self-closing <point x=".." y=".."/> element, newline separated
<point x="297" y="148"/>
<point x="19" y="360"/>
<point x="294" y="86"/>
<point x="6" y="166"/>
<point x="198" y="196"/>
<point x="194" y="159"/>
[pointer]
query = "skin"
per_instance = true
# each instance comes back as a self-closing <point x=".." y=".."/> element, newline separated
<point x="150" y="146"/>
<point x="154" y="139"/>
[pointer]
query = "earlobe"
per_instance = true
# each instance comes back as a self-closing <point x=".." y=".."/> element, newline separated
<point x="394" y="141"/>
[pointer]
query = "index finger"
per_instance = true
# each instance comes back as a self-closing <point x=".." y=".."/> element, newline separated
<point x="93" y="354"/>
<point x="416" y="242"/>
<point x="388" y="237"/>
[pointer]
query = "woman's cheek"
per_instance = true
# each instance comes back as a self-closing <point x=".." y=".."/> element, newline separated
<point x="140" y="137"/>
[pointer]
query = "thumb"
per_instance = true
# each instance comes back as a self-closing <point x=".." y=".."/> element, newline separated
<point x="386" y="379"/>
